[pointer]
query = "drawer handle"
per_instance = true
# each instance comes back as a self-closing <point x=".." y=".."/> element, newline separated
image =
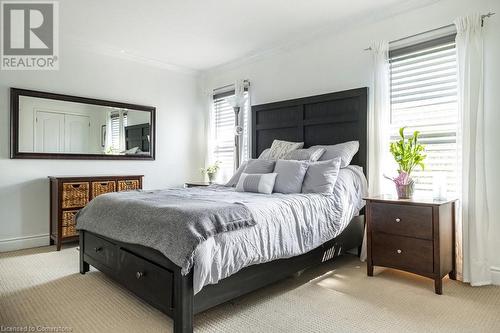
<point x="139" y="275"/>
<point x="97" y="249"/>
<point x="398" y="219"/>
<point x="399" y="251"/>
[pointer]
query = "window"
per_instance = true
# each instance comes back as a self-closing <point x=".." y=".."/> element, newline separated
<point x="118" y="130"/>
<point x="424" y="98"/>
<point x="224" y="131"/>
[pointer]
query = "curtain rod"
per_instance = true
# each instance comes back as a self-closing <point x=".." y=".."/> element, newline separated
<point x="432" y="30"/>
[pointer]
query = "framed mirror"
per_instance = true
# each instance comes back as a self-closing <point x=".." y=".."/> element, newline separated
<point x="54" y="126"/>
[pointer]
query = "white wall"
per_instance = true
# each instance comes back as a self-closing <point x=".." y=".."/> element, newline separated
<point x="336" y="61"/>
<point x="24" y="189"/>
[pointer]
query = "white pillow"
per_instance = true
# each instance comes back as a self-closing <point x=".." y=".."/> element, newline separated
<point x="345" y="151"/>
<point x="321" y="176"/>
<point x="310" y="154"/>
<point x="265" y="154"/>
<point x="258" y="183"/>
<point x="280" y="148"/>
<point x="290" y="176"/>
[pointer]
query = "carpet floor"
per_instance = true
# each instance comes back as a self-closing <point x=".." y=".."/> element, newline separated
<point x="42" y="288"/>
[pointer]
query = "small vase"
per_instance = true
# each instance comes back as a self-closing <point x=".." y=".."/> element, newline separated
<point x="405" y="191"/>
<point x="211" y="177"/>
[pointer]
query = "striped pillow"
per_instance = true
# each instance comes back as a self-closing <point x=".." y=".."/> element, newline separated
<point x="310" y="154"/>
<point x="258" y="183"/>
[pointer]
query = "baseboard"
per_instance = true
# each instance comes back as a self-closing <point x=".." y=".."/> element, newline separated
<point x="495" y="275"/>
<point x="27" y="242"/>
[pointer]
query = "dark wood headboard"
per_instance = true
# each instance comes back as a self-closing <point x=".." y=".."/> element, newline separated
<point x="316" y="120"/>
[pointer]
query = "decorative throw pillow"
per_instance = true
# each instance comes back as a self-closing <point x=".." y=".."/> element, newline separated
<point x="259" y="166"/>
<point x="310" y="154"/>
<point x="290" y="176"/>
<point x="321" y="176"/>
<point x="258" y="183"/>
<point x="345" y="151"/>
<point x="234" y="179"/>
<point x="280" y="148"/>
<point x="265" y="154"/>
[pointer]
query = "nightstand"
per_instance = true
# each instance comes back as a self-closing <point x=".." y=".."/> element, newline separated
<point x="414" y="235"/>
<point x="196" y="184"/>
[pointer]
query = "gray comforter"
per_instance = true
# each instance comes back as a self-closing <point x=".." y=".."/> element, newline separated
<point x="173" y="221"/>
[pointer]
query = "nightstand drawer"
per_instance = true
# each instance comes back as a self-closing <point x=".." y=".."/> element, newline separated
<point x="411" y="254"/>
<point x="403" y="220"/>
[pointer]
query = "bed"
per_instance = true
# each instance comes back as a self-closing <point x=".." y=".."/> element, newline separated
<point x="210" y="277"/>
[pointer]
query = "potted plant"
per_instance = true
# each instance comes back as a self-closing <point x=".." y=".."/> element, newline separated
<point x="408" y="154"/>
<point x="211" y="171"/>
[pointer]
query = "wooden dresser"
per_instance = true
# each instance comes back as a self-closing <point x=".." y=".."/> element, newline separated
<point x="413" y="235"/>
<point x="70" y="194"/>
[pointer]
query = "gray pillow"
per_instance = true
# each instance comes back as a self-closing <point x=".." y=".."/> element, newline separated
<point x="280" y="148"/>
<point x="258" y="183"/>
<point x="310" y="154"/>
<point x="321" y="176"/>
<point x="290" y="176"/>
<point x="345" y="151"/>
<point x="259" y="166"/>
<point x="234" y="179"/>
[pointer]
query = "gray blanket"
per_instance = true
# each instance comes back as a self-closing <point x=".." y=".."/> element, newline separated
<point x="173" y="221"/>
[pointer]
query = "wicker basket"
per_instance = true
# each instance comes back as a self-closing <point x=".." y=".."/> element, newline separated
<point x="75" y="195"/>
<point x="128" y="185"/>
<point x="69" y="223"/>
<point x="99" y="188"/>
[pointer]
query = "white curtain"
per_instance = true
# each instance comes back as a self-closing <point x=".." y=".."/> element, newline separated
<point x="122" y="144"/>
<point x="209" y="127"/>
<point x="379" y="118"/>
<point x="475" y="219"/>
<point x="378" y="123"/>
<point x="108" y="144"/>
<point x="241" y="99"/>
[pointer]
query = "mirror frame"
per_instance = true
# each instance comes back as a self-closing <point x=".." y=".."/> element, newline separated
<point x="15" y="93"/>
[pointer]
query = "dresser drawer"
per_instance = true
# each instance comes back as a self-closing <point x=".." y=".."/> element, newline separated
<point x="147" y="280"/>
<point x="411" y="254"/>
<point x="101" y="250"/>
<point x="129" y="185"/>
<point x="75" y="195"/>
<point x="102" y="187"/>
<point x="403" y="220"/>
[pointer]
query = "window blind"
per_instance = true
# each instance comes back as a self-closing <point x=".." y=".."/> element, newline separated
<point x="424" y="98"/>
<point x="224" y="129"/>
<point x="116" y="131"/>
<point x="224" y="134"/>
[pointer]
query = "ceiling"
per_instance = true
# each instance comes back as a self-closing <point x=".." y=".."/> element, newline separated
<point x="197" y="35"/>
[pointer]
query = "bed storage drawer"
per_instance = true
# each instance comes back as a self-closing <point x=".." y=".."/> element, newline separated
<point x="147" y="280"/>
<point x="101" y="250"/>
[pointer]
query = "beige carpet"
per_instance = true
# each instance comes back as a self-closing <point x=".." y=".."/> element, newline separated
<point x="42" y="287"/>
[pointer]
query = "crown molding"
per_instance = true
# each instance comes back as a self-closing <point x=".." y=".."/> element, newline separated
<point x="114" y="52"/>
<point x="363" y="18"/>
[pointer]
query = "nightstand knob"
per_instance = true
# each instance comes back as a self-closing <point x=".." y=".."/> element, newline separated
<point x="139" y="275"/>
<point x="398" y="219"/>
<point x="399" y="251"/>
